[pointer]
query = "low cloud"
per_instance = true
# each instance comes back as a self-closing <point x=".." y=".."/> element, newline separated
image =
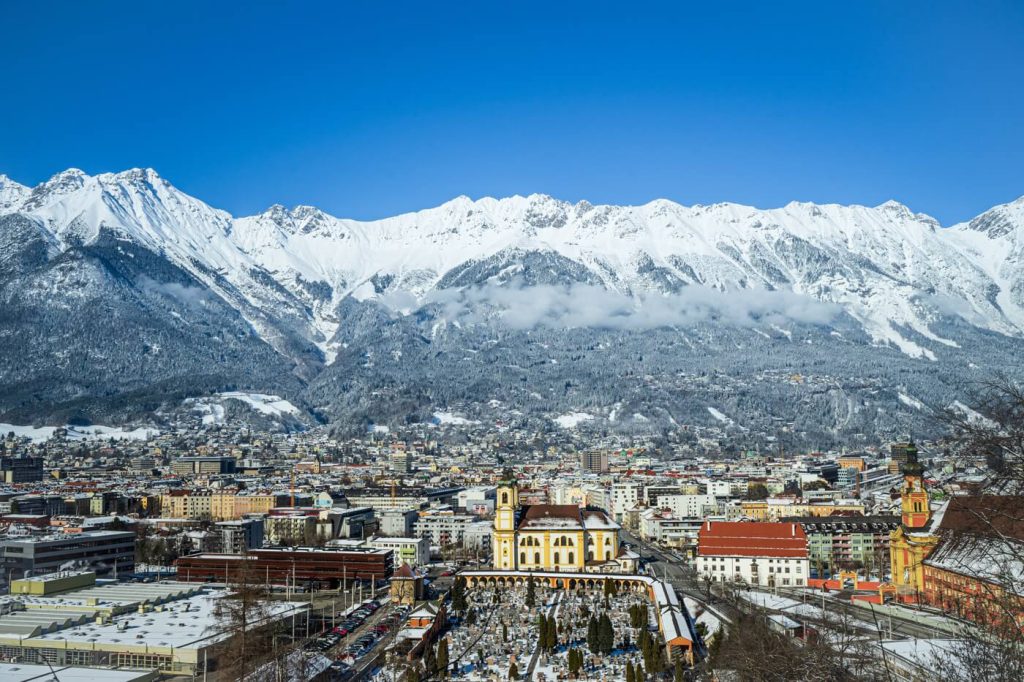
<point x="584" y="305"/>
<point x="186" y="295"/>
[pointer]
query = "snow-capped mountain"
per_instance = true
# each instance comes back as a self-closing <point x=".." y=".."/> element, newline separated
<point x="298" y="277"/>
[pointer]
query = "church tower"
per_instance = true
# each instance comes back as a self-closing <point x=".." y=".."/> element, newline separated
<point x="913" y="496"/>
<point x="506" y="510"/>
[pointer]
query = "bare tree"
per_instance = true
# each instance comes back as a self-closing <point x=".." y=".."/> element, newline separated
<point x="982" y="537"/>
<point x="243" y="617"/>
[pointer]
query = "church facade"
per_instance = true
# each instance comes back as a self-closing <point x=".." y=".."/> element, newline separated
<point x="555" y="537"/>
<point x="914" y="540"/>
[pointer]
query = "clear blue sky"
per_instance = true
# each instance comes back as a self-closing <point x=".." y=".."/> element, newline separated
<point x="373" y="109"/>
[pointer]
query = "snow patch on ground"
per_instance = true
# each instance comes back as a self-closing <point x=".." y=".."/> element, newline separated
<point x="40" y="434"/>
<point x="451" y="418"/>
<point x="212" y="408"/>
<point x="720" y="416"/>
<point x="911" y="401"/>
<point x="572" y="419"/>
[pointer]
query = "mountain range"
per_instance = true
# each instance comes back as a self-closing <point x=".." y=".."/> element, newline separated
<point x="121" y="295"/>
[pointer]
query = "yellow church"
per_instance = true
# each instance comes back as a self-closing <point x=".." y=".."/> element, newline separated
<point x="914" y="540"/>
<point x="555" y="537"/>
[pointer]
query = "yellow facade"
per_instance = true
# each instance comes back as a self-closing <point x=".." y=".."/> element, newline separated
<point x="911" y="543"/>
<point x="217" y="507"/>
<point x="552" y="548"/>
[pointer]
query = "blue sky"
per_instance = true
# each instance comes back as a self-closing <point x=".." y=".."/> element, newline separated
<point x="376" y="108"/>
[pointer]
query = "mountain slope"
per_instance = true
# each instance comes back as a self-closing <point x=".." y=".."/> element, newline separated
<point x="298" y="298"/>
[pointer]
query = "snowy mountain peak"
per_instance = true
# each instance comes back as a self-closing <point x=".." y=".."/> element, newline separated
<point x="1000" y="221"/>
<point x="12" y="194"/>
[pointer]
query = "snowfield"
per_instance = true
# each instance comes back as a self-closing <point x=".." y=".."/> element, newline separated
<point x="893" y="270"/>
<point x="40" y="434"/>
<point x="572" y="419"/>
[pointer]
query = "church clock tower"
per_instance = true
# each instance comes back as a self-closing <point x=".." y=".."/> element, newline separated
<point x="913" y="496"/>
<point x="506" y="510"/>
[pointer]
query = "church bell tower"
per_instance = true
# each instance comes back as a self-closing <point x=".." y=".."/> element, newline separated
<point x="913" y="496"/>
<point x="506" y="509"/>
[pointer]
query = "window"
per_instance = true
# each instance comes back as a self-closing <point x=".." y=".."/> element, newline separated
<point x="536" y="557"/>
<point x="522" y="557"/>
<point x="572" y="558"/>
<point x="557" y="558"/>
<point x="504" y="498"/>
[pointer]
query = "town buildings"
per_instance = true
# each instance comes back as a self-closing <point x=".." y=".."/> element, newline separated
<point x="106" y="552"/>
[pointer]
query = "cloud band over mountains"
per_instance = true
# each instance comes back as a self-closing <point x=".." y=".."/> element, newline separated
<point x="583" y="305"/>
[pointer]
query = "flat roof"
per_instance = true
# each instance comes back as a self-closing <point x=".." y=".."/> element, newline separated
<point x="25" y="672"/>
<point x="187" y="623"/>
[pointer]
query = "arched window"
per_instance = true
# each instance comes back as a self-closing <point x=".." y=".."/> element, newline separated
<point x="504" y="498"/>
<point x="572" y="558"/>
<point x="522" y="557"/>
<point x="536" y="557"/>
<point x="557" y="558"/>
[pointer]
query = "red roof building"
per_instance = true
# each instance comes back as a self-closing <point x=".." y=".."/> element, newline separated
<point x="754" y="553"/>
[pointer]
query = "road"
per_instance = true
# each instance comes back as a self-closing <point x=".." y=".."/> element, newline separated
<point x="680" y="576"/>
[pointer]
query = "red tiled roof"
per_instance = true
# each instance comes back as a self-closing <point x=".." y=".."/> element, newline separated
<point x="723" y="538"/>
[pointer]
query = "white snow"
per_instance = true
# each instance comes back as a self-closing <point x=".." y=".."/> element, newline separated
<point x="720" y="416"/>
<point x="450" y="418"/>
<point x="911" y="401"/>
<point x="725" y="246"/>
<point x="213" y="411"/>
<point x="39" y="434"/>
<point x="572" y="419"/>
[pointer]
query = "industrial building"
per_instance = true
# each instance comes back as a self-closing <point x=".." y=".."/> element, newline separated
<point x="290" y="565"/>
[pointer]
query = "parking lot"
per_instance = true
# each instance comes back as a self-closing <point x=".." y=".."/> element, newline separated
<point x="354" y="640"/>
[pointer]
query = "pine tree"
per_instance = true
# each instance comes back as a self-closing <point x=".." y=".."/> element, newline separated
<point x="531" y="593"/>
<point x="680" y="674"/>
<point x="429" y="660"/>
<point x="459" y="604"/>
<point x="442" y="657"/>
<point x="504" y="632"/>
<point x="606" y="634"/>
<point x="513" y="671"/>
<point x="630" y="677"/>
<point x="542" y="634"/>
<point x="553" y="633"/>
<point x="638" y="673"/>
<point x="592" y="641"/>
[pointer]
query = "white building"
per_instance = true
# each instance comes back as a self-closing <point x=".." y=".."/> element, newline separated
<point x="412" y="551"/>
<point x="688" y="506"/>
<point x="623" y="497"/>
<point x="765" y="554"/>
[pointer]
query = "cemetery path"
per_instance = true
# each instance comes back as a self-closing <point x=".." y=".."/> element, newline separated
<point x="536" y="652"/>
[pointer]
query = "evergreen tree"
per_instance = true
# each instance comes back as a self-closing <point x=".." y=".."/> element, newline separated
<point x="553" y="633"/>
<point x="513" y="671"/>
<point x="630" y="677"/>
<point x="592" y="641"/>
<point x="504" y="632"/>
<point x="442" y="657"/>
<point x="429" y="660"/>
<point x="459" y="604"/>
<point x="606" y="634"/>
<point x="680" y="674"/>
<point x="531" y="593"/>
<point x="638" y="673"/>
<point x="542" y="632"/>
